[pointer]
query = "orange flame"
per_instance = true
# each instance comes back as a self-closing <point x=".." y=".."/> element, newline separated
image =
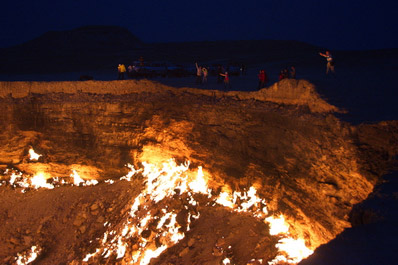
<point x="29" y="256"/>
<point x="163" y="182"/>
<point x="277" y="225"/>
<point x="33" y="155"/>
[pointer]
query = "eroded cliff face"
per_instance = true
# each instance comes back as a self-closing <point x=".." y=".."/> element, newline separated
<point x="304" y="162"/>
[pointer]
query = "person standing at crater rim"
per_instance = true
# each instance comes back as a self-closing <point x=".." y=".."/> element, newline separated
<point x="262" y="79"/>
<point x="205" y="73"/>
<point x="330" y="62"/>
<point x="121" y="69"/>
<point x="293" y="72"/>
<point x="198" y="74"/>
<point x="227" y="85"/>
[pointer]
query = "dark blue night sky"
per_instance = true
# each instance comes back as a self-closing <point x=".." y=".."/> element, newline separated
<point x="339" y="24"/>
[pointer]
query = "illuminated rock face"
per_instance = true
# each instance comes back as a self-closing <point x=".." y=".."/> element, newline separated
<point x="305" y="165"/>
<point x="372" y="237"/>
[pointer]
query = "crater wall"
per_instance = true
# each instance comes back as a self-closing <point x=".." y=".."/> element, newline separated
<point x="284" y="139"/>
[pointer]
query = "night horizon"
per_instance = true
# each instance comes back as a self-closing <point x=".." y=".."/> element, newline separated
<point x="337" y="26"/>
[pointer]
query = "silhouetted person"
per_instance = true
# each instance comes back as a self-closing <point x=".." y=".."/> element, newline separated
<point x="281" y="75"/>
<point x="329" y="61"/>
<point x="135" y="71"/>
<point x="205" y="73"/>
<point x="130" y="71"/>
<point x="227" y="84"/>
<point x="262" y="79"/>
<point x="219" y="72"/>
<point x="285" y="73"/>
<point x="198" y="74"/>
<point x="243" y="69"/>
<point x="121" y="70"/>
<point x="293" y="72"/>
<point x="141" y="59"/>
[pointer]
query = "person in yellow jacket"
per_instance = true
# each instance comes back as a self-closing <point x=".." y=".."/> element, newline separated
<point x="121" y="70"/>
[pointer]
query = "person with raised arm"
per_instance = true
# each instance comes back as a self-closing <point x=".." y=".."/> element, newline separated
<point x="329" y="61"/>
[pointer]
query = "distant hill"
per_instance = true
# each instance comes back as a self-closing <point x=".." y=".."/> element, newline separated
<point x="103" y="47"/>
<point x="244" y="51"/>
<point x="84" y="39"/>
<point x="82" y="48"/>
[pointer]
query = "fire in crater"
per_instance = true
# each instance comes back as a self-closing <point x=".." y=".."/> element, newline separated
<point x="255" y="201"/>
<point x="155" y="220"/>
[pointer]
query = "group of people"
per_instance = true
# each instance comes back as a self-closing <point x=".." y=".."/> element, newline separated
<point x="223" y="76"/>
<point x="131" y="71"/>
<point x="285" y="73"/>
<point x="202" y="73"/>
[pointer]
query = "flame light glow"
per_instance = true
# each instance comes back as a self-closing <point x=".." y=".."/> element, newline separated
<point x="41" y="180"/>
<point x="29" y="256"/>
<point x="277" y="225"/>
<point x="145" y="232"/>
<point x="17" y="179"/>
<point x="162" y="183"/>
<point x="33" y="155"/>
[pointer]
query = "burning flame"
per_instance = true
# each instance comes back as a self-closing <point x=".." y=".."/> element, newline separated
<point x="199" y="184"/>
<point x="171" y="179"/>
<point x="295" y="248"/>
<point x="78" y="181"/>
<point x="277" y="225"/>
<point x="225" y="199"/>
<point x="39" y="181"/>
<point x="43" y="180"/>
<point x="226" y="261"/>
<point x="29" y="256"/>
<point x="33" y="155"/>
<point x="161" y="184"/>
